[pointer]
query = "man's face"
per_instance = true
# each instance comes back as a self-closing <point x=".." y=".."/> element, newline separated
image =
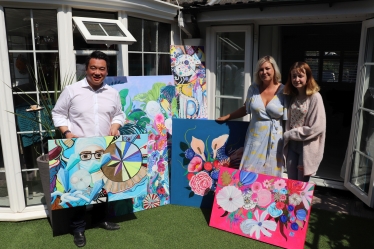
<point x="96" y="73"/>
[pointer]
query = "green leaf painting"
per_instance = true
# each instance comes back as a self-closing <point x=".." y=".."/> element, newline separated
<point x="152" y="94"/>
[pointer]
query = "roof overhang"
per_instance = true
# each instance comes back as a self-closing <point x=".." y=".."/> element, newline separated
<point x="152" y="8"/>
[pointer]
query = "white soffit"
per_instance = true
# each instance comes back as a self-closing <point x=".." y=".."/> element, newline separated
<point x="103" y="31"/>
<point x="357" y="10"/>
<point x="150" y="8"/>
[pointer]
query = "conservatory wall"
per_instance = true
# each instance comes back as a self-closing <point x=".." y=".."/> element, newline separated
<point x="39" y="40"/>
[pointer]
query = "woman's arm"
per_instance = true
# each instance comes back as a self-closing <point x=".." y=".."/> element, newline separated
<point x="241" y="112"/>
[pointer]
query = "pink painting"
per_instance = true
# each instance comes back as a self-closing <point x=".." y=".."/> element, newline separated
<point x="261" y="207"/>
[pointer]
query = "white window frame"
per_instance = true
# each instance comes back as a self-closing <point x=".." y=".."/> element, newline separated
<point x="142" y="52"/>
<point x="211" y="57"/>
<point x="127" y="39"/>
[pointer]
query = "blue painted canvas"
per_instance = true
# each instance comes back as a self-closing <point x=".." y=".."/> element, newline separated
<point x="199" y="149"/>
<point x="97" y="169"/>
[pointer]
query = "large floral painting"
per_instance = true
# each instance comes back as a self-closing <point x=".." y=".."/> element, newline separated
<point x="149" y="103"/>
<point x="188" y="69"/>
<point x="99" y="169"/>
<point x="261" y="207"/>
<point x="200" y="149"/>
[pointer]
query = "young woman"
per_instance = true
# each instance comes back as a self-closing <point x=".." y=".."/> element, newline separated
<point x="304" y="136"/>
<point x="266" y="102"/>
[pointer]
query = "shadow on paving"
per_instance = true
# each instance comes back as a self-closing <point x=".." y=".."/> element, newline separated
<point x="339" y="231"/>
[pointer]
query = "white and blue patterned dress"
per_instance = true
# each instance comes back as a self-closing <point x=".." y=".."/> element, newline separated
<point x="264" y="139"/>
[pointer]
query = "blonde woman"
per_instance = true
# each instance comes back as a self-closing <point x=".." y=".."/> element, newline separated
<point x="266" y="103"/>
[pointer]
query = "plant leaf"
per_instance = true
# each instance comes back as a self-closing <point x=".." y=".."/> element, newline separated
<point x="281" y="229"/>
<point x="183" y="146"/>
<point x="225" y="214"/>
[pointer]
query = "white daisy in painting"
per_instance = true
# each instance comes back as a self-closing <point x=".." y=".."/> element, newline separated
<point x="258" y="225"/>
<point x="307" y="195"/>
<point x="230" y="198"/>
<point x="295" y="199"/>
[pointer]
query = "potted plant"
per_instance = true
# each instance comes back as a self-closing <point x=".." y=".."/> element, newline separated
<point x="42" y="116"/>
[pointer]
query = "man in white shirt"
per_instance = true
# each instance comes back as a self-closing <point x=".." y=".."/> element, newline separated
<point x="89" y="108"/>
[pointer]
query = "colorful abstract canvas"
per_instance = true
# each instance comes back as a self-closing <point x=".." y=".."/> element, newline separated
<point x="261" y="207"/>
<point x="149" y="103"/>
<point x="146" y="100"/>
<point x="157" y="192"/>
<point x="199" y="149"/>
<point x="188" y="69"/>
<point x="98" y="169"/>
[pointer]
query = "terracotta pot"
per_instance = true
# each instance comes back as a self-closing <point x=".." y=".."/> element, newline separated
<point x="43" y="165"/>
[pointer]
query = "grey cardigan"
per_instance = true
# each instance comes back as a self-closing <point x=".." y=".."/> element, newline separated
<point x="312" y="134"/>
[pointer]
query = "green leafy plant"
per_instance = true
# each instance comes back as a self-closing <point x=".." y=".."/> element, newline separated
<point x="47" y="99"/>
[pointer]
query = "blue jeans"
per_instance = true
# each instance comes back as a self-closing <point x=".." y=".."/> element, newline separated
<point x="294" y="161"/>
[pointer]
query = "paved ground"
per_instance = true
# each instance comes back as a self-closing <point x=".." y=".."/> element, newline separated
<point x="341" y="201"/>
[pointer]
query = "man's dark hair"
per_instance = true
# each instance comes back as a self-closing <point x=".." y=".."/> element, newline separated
<point x="98" y="55"/>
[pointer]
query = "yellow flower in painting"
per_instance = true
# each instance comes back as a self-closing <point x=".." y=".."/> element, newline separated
<point x="185" y="89"/>
<point x="226" y="178"/>
<point x="161" y="129"/>
<point x="197" y="146"/>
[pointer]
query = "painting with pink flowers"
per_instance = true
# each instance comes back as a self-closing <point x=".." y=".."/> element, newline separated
<point x="261" y="207"/>
<point x="200" y="149"/>
<point x="149" y="104"/>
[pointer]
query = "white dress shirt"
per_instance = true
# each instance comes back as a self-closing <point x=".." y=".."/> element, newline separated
<point x="88" y="113"/>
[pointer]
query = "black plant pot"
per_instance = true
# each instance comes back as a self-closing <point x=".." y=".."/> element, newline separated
<point x="43" y="165"/>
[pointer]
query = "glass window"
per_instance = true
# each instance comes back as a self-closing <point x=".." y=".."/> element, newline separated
<point x="99" y="30"/>
<point x="33" y="58"/>
<point x="150" y="55"/>
<point x="82" y="47"/>
<point x="337" y="66"/>
<point x="230" y="71"/>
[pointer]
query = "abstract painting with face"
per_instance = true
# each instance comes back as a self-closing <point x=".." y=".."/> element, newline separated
<point x="89" y="170"/>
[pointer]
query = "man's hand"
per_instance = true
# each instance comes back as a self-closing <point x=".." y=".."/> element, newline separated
<point x="114" y="129"/>
<point x="70" y="135"/>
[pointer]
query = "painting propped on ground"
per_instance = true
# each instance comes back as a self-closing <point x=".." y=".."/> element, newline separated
<point x="90" y="170"/>
<point x="188" y="68"/>
<point x="200" y="149"/>
<point x="261" y="207"/>
<point x="149" y="103"/>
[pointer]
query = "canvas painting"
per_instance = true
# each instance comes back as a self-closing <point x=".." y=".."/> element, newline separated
<point x="149" y="103"/>
<point x="188" y="69"/>
<point x="199" y="149"/>
<point x="98" y="169"/>
<point x="261" y="207"/>
<point x="146" y="100"/>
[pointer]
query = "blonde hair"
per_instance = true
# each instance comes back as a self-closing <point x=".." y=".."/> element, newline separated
<point x="311" y="84"/>
<point x="267" y="58"/>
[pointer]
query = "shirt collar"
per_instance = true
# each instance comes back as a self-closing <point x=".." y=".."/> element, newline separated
<point x="85" y="84"/>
